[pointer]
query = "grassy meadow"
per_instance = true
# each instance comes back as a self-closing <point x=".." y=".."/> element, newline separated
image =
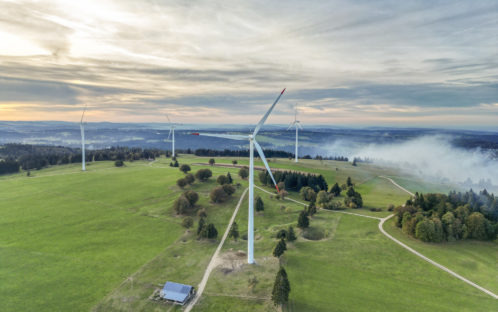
<point x="105" y="239"/>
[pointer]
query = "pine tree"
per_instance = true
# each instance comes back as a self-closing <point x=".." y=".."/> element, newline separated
<point x="349" y="182"/>
<point x="234" y="231"/>
<point x="260" y="206"/>
<point x="303" y="221"/>
<point x="280" y="248"/>
<point x="281" y="288"/>
<point x="291" y="235"/>
<point x="336" y="190"/>
<point x="229" y="177"/>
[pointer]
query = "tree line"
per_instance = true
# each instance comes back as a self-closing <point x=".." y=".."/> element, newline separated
<point x="295" y="180"/>
<point x="456" y="216"/>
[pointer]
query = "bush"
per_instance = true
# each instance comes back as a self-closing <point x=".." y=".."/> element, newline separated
<point x="222" y="180"/>
<point x="307" y="193"/>
<point x="192" y="197"/>
<point x="390" y="207"/>
<point x="203" y="174"/>
<point x="188" y="222"/>
<point x="185" y="168"/>
<point x="190" y="178"/>
<point x="291" y="235"/>
<point x="182" y="205"/>
<point x="118" y="163"/>
<point x="218" y="195"/>
<point x="229" y="189"/>
<point x="282" y="234"/>
<point x="212" y="161"/>
<point x="234" y="162"/>
<point x="202" y="213"/>
<point x="181" y="182"/>
<point x="243" y="172"/>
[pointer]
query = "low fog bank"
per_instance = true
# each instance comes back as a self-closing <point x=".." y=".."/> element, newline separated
<point x="432" y="158"/>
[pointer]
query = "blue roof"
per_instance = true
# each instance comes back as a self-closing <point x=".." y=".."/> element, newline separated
<point x="176" y="292"/>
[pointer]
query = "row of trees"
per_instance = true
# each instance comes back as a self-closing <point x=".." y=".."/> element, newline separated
<point x="456" y="216"/>
<point x="30" y="157"/>
<point x="295" y="180"/>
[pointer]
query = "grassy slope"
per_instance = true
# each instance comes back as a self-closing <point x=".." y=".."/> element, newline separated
<point x="475" y="260"/>
<point x="75" y="236"/>
<point x="354" y="268"/>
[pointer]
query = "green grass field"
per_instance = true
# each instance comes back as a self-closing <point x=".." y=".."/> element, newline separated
<point x="105" y="239"/>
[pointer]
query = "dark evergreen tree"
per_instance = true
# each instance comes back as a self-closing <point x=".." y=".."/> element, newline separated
<point x="201" y="225"/>
<point x="281" y="288"/>
<point x="229" y="177"/>
<point x="291" y="235"/>
<point x="260" y="206"/>
<point x="335" y="189"/>
<point x="280" y="248"/>
<point x="303" y="220"/>
<point x="349" y="182"/>
<point x="234" y="231"/>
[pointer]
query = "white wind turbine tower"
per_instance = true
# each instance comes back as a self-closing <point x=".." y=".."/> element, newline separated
<point x="171" y="134"/>
<point x="252" y="144"/>
<point x="296" y="123"/>
<point x="82" y="128"/>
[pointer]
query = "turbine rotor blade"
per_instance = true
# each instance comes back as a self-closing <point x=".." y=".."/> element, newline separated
<point x="262" y="121"/>
<point x="169" y="134"/>
<point x="224" y="136"/>
<point x="292" y="124"/>
<point x="167" y="116"/>
<point x="82" y="115"/>
<point x="260" y="152"/>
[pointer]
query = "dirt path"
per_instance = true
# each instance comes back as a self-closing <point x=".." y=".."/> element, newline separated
<point x="214" y="259"/>
<point x="381" y="223"/>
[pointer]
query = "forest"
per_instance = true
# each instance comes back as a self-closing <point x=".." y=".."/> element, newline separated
<point x="456" y="216"/>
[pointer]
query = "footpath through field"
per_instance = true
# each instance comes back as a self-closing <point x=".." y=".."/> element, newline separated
<point x="381" y="223"/>
<point x="212" y="263"/>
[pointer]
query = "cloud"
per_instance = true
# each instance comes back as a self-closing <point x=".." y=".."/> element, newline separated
<point x="342" y="58"/>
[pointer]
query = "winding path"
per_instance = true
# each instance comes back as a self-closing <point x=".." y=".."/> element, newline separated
<point x="212" y="262"/>
<point x="381" y="223"/>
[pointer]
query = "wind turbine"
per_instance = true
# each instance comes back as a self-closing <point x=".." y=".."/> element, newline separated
<point x="296" y="123"/>
<point x="82" y="128"/>
<point x="171" y="134"/>
<point x="252" y="143"/>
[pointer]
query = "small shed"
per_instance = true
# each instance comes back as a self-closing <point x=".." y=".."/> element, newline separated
<point x="178" y="293"/>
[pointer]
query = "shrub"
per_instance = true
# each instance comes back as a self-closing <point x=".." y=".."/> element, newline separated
<point x="181" y="182"/>
<point x="182" y="205"/>
<point x="234" y="162"/>
<point x="202" y="213"/>
<point x="229" y="189"/>
<point x="222" y="180"/>
<point x="218" y="195"/>
<point x="192" y="197"/>
<point x="211" y="161"/>
<point x="234" y="231"/>
<point x="190" y="178"/>
<point x="243" y="172"/>
<point x="185" y="168"/>
<point x="229" y="178"/>
<point x="188" y="222"/>
<point x="282" y="234"/>
<point x="118" y="163"/>
<point x="390" y="207"/>
<point x="203" y="174"/>
<point x="208" y="231"/>
<point x="307" y="193"/>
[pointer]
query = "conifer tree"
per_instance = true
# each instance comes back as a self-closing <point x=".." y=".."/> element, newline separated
<point x="281" y="288"/>
<point x="260" y="206"/>
<point x="229" y="177"/>
<point x="303" y="221"/>
<point x="280" y="248"/>
<point x="291" y="235"/>
<point x="234" y="231"/>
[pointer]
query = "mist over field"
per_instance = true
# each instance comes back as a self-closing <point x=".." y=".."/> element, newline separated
<point x="435" y="158"/>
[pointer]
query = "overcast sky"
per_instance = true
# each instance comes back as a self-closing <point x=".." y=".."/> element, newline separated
<point x="345" y="63"/>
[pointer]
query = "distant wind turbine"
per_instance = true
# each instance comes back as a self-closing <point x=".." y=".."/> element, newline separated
<point x="296" y="123"/>
<point x="82" y="128"/>
<point x="252" y="144"/>
<point x="171" y="134"/>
